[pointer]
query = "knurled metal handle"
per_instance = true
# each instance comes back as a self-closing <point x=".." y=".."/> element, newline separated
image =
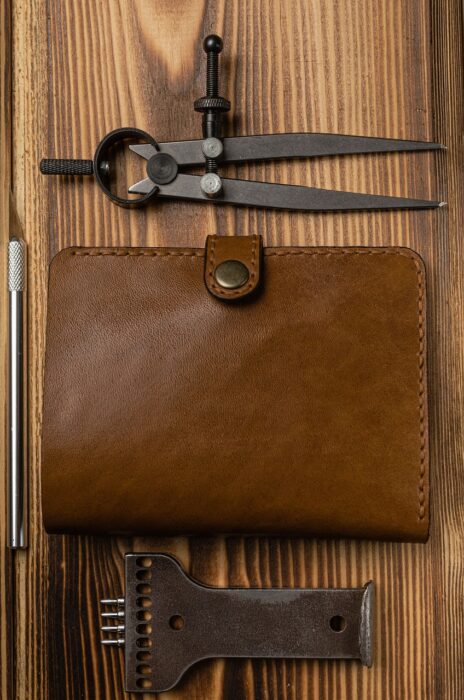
<point x="16" y="265"/>
<point x="66" y="166"/>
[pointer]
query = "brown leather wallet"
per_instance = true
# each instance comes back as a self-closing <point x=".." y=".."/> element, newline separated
<point x="286" y="393"/>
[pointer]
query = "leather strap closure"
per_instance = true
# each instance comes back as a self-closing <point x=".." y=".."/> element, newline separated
<point x="232" y="266"/>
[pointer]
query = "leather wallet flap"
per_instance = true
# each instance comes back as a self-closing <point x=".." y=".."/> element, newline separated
<point x="232" y="266"/>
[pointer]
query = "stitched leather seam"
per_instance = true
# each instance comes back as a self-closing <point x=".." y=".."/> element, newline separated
<point x="200" y="254"/>
<point x="236" y="292"/>
<point x="283" y="253"/>
<point x="135" y="254"/>
<point x="421" y="394"/>
<point x="420" y="306"/>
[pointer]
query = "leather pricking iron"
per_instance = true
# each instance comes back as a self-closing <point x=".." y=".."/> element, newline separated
<point x="172" y="621"/>
<point x="165" y="162"/>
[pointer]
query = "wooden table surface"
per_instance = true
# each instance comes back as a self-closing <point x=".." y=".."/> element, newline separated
<point x="389" y="68"/>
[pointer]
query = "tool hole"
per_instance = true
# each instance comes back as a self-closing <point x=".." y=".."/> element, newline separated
<point x="144" y="615"/>
<point x="143" y="575"/>
<point x="145" y="669"/>
<point x="144" y="588"/>
<point x="176" y="622"/>
<point x="144" y="642"/>
<point x="144" y="655"/>
<point x="146" y="562"/>
<point x="144" y="629"/>
<point x="144" y="683"/>
<point x="337" y="623"/>
<point x="144" y="602"/>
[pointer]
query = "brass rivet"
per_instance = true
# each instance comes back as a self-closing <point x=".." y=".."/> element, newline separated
<point x="231" y="274"/>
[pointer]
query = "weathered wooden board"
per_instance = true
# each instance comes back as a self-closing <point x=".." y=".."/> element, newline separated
<point x="386" y="68"/>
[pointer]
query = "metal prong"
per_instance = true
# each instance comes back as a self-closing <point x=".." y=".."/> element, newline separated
<point x="241" y="149"/>
<point x="146" y="150"/>
<point x="291" y="197"/>
<point x="111" y="628"/>
<point x="113" y="601"/>
<point x="113" y="642"/>
<point x="113" y="615"/>
<point x="142" y="187"/>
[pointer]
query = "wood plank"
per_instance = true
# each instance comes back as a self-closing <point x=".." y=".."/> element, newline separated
<point x="351" y="66"/>
<point x="6" y="557"/>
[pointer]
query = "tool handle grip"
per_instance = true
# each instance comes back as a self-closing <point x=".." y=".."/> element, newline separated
<point x="66" y="166"/>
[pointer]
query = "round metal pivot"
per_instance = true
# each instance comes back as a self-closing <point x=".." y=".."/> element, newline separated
<point x="212" y="147"/>
<point x="162" y="168"/>
<point x="211" y="185"/>
<point x="231" y="274"/>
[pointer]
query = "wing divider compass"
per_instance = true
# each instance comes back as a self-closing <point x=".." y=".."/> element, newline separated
<point x="166" y="162"/>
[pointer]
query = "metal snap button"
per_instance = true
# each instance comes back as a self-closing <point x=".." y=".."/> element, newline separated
<point x="231" y="274"/>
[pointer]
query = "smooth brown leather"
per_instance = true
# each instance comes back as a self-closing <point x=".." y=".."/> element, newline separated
<point x="245" y="249"/>
<point x="300" y="410"/>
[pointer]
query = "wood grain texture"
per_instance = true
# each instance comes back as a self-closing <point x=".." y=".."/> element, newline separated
<point x="382" y="68"/>
<point x="6" y="563"/>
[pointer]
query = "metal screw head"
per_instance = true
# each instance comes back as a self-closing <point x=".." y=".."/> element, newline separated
<point x="212" y="147"/>
<point x="231" y="274"/>
<point x="211" y="185"/>
<point x="104" y="168"/>
<point x="162" y="168"/>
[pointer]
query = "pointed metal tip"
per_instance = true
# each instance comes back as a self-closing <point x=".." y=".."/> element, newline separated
<point x="145" y="150"/>
<point x="398" y="203"/>
<point x="427" y="146"/>
<point x="142" y="187"/>
<point x="419" y="204"/>
<point x="442" y="204"/>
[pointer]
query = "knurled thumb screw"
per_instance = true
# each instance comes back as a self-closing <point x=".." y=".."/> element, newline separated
<point x="71" y="166"/>
<point x="212" y="105"/>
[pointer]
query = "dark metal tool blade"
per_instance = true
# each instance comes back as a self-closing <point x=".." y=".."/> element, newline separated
<point x="172" y="621"/>
<point x="278" y="146"/>
<point x="276" y="196"/>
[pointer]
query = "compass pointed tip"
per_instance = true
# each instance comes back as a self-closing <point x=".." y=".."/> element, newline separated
<point x="145" y="150"/>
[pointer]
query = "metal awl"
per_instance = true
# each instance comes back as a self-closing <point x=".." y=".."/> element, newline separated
<point x="17" y="493"/>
